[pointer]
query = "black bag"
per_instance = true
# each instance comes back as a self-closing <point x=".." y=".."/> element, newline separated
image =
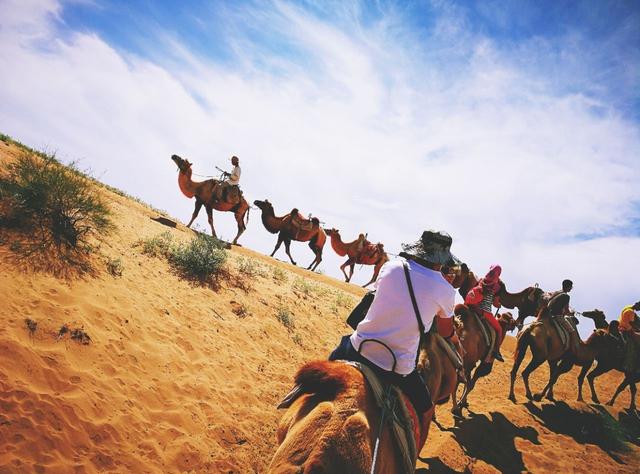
<point x="361" y="309"/>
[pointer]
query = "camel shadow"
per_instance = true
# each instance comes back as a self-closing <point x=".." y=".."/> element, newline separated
<point x="586" y="427"/>
<point x="165" y="221"/>
<point x="497" y="449"/>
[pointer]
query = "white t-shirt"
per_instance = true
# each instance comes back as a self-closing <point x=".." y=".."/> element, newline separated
<point x="234" y="179"/>
<point x="391" y="317"/>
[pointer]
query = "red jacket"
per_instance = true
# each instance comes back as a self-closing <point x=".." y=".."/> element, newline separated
<point x="475" y="296"/>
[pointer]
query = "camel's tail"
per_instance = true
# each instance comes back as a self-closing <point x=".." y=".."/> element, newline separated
<point x="247" y="216"/>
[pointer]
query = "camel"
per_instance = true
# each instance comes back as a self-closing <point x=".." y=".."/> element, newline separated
<point x="476" y="349"/>
<point x="204" y="192"/>
<point x="545" y="344"/>
<point x="608" y="356"/>
<point x="333" y="425"/>
<point x="359" y="251"/>
<point x="528" y="302"/>
<point x="287" y="231"/>
<point x="464" y="279"/>
<point x="583" y="357"/>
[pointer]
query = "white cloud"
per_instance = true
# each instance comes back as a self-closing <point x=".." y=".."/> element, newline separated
<point x="370" y="134"/>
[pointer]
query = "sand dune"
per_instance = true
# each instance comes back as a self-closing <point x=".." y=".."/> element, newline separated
<point x="179" y="377"/>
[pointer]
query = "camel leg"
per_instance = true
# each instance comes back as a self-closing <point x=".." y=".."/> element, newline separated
<point x="210" y="220"/>
<point x="619" y="390"/>
<point x="599" y="370"/>
<point x="278" y="244"/>
<point x="346" y="277"/>
<point x="632" y="386"/>
<point x="196" y="211"/>
<point x="521" y="352"/>
<point x="548" y="389"/>
<point x="581" y="376"/>
<point x="241" y="225"/>
<point x="287" y="248"/>
<point x="374" y="277"/>
<point x="533" y="365"/>
<point x="318" y="253"/>
<point x="471" y="383"/>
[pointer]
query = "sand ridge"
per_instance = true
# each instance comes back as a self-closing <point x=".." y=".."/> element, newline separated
<point x="180" y="377"/>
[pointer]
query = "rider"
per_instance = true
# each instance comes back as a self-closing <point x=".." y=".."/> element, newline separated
<point x="481" y="298"/>
<point x="628" y="327"/>
<point x="232" y="179"/>
<point x="392" y="320"/>
<point x="558" y="305"/>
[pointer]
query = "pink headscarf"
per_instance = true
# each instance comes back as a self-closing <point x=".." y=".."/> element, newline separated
<point x="492" y="278"/>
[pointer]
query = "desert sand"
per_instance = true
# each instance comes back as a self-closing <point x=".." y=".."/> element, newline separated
<point x="179" y="377"/>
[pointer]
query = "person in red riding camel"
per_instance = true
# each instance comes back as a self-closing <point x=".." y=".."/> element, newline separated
<point x="482" y="298"/>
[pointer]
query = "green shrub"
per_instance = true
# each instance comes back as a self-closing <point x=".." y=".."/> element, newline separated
<point x="156" y="246"/>
<point x="201" y="258"/>
<point x="303" y="286"/>
<point x="279" y="275"/>
<point x="249" y="267"/>
<point x="56" y="205"/>
<point x="286" y="318"/>
<point x="297" y="339"/>
<point x="344" y="301"/>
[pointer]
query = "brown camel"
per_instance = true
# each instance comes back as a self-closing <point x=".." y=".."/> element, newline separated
<point x="204" y="192"/>
<point x="609" y="356"/>
<point x="288" y="230"/>
<point x="360" y="251"/>
<point x="528" y="301"/>
<point x="476" y="349"/>
<point x="332" y="426"/>
<point x="545" y="344"/>
<point x="583" y="357"/>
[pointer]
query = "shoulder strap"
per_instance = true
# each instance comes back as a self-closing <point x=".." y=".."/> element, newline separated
<point x="413" y="298"/>
<point x="415" y="308"/>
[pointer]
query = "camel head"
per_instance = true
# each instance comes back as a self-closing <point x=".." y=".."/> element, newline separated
<point x="332" y="231"/>
<point x="183" y="165"/>
<point x="507" y="321"/>
<point x="263" y="205"/>
<point x="598" y="317"/>
<point x="461" y="273"/>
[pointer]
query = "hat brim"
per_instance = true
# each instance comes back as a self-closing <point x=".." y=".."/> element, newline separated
<point x="435" y="256"/>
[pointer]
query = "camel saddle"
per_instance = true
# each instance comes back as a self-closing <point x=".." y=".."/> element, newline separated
<point x="225" y="192"/>
<point x="488" y="333"/>
<point x="369" y="249"/>
<point x="561" y="323"/>
<point x="303" y="223"/>
<point x="401" y="413"/>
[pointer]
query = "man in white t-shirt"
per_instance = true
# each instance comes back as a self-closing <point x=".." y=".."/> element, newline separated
<point x="228" y="190"/>
<point x="392" y="320"/>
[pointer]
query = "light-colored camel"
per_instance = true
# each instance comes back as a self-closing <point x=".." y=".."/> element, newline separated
<point x="204" y="192"/>
<point x="287" y="231"/>
<point x="476" y="349"/>
<point x="544" y="341"/>
<point x="360" y="251"/>
<point x="584" y="357"/>
<point x="332" y="426"/>
<point x="529" y="301"/>
<point x="609" y="357"/>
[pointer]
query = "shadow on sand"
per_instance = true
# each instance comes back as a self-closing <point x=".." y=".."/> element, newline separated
<point x="165" y="221"/>
<point x="490" y="440"/>
<point x="595" y="426"/>
<point x="438" y="467"/>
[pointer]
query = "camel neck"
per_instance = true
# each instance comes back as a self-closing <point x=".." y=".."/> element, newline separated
<point x="337" y="245"/>
<point x="185" y="184"/>
<point x="272" y="223"/>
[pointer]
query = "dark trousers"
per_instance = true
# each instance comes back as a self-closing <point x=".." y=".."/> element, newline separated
<point x="413" y="385"/>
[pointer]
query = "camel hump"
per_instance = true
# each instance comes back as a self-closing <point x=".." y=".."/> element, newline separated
<point x="315" y="221"/>
<point x="460" y="308"/>
<point x="325" y="378"/>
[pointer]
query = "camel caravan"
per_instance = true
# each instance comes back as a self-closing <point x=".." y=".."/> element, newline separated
<point x="369" y="406"/>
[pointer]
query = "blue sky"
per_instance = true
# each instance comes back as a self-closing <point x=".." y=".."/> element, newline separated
<point x="512" y="125"/>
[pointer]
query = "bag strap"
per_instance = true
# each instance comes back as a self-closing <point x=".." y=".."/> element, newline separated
<point x="415" y="306"/>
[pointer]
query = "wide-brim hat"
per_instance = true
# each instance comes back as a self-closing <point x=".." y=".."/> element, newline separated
<point x="433" y="247"/>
